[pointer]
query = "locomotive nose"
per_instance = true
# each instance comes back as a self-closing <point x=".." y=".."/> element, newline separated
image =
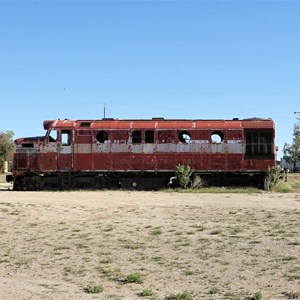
<point x="29" y="142"/>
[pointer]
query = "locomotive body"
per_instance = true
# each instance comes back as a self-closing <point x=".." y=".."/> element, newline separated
<point x="142" y="153"/>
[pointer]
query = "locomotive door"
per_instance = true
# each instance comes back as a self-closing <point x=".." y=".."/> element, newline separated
<point x="65" y="151"/>
<point x="143" y="150"/>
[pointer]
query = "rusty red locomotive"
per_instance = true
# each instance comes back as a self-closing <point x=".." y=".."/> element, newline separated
<point x="142" y="153"/>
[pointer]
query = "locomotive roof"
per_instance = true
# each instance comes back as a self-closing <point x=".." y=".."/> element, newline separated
<point x="160" y="123"/>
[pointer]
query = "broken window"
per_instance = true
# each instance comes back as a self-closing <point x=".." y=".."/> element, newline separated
<point x="102" y="136"/>
<point x="26" y="145"/>
<point x="184" y="136"/>
<point x="66" y="137"/>
<point x="217" y="137"/>
<point x="259" y="144"/>
<point x="53" y="135"/>
<point x="136" y="136"/>
<point x="149" y="136"/>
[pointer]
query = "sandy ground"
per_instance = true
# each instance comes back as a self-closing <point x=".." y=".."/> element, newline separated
<point x="56" y="245"/>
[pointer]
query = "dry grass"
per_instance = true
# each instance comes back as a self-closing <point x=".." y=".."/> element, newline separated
<point x="163" y="245"/>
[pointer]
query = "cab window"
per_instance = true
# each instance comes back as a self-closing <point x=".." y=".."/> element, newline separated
<point x="66" y="137"/>
<point x="53" y="136"/>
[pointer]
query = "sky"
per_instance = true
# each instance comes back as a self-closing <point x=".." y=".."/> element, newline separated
<point x="143" y="59"/>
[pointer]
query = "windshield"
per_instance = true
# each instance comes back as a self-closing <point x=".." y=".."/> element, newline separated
<point x="52" y="134"/>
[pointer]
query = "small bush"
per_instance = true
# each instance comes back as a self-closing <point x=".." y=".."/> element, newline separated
<point x="134" y="278"/>
<point x="255" y="296"/>
<point x="196" y="182"/>
<point x="147" y="293"/>
<point x="185" y="295"/>
<point x="289" y="258"/>
<point x="183" y="175"/>
<point x="272" y="177"/>
<point x="156" y="231"/>
<point x="283" y="187"/>
<point x="94" y="289"/>
<point x="213" y="291"/>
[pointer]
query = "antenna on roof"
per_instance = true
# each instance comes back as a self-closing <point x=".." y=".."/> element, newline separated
<point x="104" y="110"/>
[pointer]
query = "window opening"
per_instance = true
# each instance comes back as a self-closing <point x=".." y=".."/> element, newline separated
<point x="102" y="136"/>
<point x="85" y="124"/>
<point x="53" y="135"/>
<point x="184" y="137"/>
<point x="217" y="137"/>
<point x="149" y="136"/>
<point x="66" y="138"/>
<point x="259" y="144"/>
<point x="136" y="137"/>
<point x="27" y="145"/>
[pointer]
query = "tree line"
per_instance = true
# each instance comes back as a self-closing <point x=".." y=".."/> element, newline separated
<point x="291" y="152"/>
<point x="6" y="147"/>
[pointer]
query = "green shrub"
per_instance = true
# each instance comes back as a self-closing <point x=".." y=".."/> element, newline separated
<point x="185" y="295"/>
<point x="283" y="187"/>
<point x="213" y="291"/>
<point x="147" y="293"/>
<point x="183" y="175"/>
<point x="255" y="296"/>
<point x="156" y="231"/>
<point x="94" y="289"/>
<point x="289" y="258"/>
<point x="134" y="278"/>
<point x="272" y="178"/>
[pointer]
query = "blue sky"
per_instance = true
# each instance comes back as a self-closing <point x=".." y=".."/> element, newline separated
<point x="144" y="59"/>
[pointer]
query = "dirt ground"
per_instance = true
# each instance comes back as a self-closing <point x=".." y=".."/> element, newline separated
<point x="149" y="245"/>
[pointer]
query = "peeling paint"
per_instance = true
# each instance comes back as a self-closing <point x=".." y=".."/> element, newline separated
<point x="148" y="145"/>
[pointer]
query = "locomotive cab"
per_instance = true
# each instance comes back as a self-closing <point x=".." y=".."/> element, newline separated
<point x="58" y="147"/>
<point x="41" y="157"/>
